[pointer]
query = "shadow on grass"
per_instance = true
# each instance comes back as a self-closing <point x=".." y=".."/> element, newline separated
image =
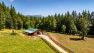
<point x="90" y="36"/>
<point x="1" y="30"/>
<point x="76" y="39"/>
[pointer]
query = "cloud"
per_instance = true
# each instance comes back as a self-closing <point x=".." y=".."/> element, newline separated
<point x="11" y="0"/>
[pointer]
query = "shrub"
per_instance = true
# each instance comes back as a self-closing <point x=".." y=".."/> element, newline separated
<point x="13" y="32"/>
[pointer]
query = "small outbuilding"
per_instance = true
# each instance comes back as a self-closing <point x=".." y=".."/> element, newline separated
<point x="33" y="31"/>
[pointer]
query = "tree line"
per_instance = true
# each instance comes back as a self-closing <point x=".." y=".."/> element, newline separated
<point x="68" y="23"/>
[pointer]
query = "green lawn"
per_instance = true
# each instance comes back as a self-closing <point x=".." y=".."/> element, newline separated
<point x="78" y="46"/>
<point x="21" y="44"/>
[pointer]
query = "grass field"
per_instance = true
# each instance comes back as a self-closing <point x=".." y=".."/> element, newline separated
<point x="73" y="43"/>
<point x="21" y="44"/>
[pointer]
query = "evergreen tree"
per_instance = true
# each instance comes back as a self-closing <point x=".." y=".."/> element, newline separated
<point x="84" y="24"/>
<point x="14" y="16"/>
<point x="63" y="28"/>
<point x="2" y="20"/>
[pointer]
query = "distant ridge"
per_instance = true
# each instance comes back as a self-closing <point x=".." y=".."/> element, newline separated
<point x="37" y="16"/>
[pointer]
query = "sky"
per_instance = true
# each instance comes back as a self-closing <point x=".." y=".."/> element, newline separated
<point x="49" y="7"/>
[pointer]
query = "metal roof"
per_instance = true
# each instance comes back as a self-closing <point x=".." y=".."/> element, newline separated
<point x="31" y="30"/>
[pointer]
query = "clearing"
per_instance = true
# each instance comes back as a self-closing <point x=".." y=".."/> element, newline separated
<point x="73" y="43"/>
<point x="21" y="44"/>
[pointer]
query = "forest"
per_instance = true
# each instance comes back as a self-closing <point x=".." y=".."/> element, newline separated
<point x="67" y="23"/>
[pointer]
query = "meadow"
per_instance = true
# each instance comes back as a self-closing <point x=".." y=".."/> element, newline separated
<point x="20" y="43"/>
<point x="73" y="42"/>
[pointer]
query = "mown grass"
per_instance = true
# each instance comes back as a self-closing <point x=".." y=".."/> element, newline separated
<point x="73" y="43"/>
<point x="21" y="44"/>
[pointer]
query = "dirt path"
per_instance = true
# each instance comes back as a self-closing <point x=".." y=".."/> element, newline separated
<point x="52" y="43"/>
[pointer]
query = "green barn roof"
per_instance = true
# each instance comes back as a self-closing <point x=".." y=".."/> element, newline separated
<point x="31" y="30"/>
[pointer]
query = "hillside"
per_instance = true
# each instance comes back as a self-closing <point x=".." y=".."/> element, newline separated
<point x="21" y="44"/>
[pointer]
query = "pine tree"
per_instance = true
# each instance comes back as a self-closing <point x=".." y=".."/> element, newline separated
<point x="14" y="17"/>
<point x="84" y="24"/>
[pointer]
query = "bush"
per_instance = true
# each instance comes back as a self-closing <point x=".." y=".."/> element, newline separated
<point x="13" y="33"/>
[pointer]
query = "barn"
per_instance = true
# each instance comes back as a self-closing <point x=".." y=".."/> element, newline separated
<point x="33" y="31"/>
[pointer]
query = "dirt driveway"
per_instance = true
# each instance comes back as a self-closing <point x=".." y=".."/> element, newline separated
<point x="52" y="43"/>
